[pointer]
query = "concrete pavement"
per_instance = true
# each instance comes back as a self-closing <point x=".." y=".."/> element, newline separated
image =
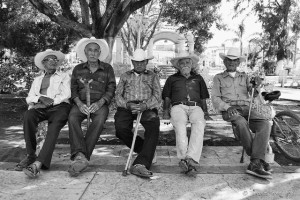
<point x="220" y="174"/>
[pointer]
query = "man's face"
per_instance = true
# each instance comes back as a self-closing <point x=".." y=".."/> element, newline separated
<point x="185" y="65"/>
<point x="231" y="65"/>
<point x="92" y="52"/>
<point x="139" y="66"/>
<point x="50" y="63"/>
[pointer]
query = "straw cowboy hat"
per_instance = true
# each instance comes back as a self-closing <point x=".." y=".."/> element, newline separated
<point x="140" y="55"/>
<point x="40" y="57"/>
<point x="80" y="46"/>
<point x="183" y="55"/>
<point x="233" y="53"/>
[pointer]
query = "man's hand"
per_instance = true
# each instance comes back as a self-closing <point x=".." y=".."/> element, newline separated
<point x="166" y="114"/>
<point x="46" y="101"/>
<point x="83" y="108"/>
<point x="96" y="106"/>
<point x="232" y="111"/>
<point x="135" y="108"/>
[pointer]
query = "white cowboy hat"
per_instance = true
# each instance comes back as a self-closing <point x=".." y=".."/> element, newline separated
<point x="81" y="44"/>
<point x="40" y="57"/>
<point x="183" y="55"/>
<point x="233" y="53"/>
<point x="140" y="55"/>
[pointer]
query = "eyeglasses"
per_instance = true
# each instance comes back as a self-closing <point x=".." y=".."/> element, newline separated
<point x="51" y="59"/>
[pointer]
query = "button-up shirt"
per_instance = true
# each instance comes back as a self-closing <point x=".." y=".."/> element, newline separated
<point x="102" y="86"/>
<point x="144" y="87"/>
<point x="58" y="89"/>
<point x="227" y="88"/>
<point x="179" y="88"/>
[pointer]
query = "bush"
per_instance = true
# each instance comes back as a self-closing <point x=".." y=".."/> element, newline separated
<point x="16" y="77"/>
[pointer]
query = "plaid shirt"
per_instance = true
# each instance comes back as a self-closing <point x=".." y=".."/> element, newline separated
<point x="144" y="87"/>
<point x="102" y="86"/>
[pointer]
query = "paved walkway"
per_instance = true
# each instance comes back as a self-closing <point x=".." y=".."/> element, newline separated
<point x="220" y="174"/>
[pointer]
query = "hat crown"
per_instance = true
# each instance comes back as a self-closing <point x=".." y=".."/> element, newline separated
<point x="233" y="52"/>
<point x="139" y="55"/>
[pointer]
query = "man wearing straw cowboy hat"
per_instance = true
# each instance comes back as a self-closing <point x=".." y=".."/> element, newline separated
<point x="231" y="94"/>
<point x="93" y="82"/>
<point x="48" y="99"/>
<point x="139" y="91"/>
<point x="186" y="91"/>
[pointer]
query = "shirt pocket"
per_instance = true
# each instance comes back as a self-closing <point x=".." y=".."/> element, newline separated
<point x="225" y="84"/>
<point x="98" y="85"/>
<point x="243" y="87"/>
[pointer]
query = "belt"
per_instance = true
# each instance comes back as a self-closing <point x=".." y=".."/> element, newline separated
<point x="239" y="103"/>
<point x="187" y="103"/>
<point x="136" y="102"/>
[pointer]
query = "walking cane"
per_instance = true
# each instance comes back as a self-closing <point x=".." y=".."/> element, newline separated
<point x="88" y="97"/>
<point x="125" y="172"/>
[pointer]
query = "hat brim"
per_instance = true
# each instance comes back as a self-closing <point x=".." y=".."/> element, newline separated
<point x="85" y="41"/>
<point x="148" y="58"/>
<point x="38" y="59"/>
<point x="194" y="58"/>
<point x="223" y="56"/>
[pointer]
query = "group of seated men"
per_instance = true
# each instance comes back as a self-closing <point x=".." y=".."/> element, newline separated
<point x="57" y="97"/>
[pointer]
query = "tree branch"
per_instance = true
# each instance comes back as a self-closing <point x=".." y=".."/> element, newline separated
<point x="85" y="12"/>
<point x="44" y="8"/>
<point x="66" y="9"/>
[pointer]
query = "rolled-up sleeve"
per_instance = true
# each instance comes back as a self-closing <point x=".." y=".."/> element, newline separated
<point x="216" y="95"/>
<point x="33" y="97"/>
<point x="120" y="101"/>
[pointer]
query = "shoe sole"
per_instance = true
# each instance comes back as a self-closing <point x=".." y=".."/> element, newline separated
<point x="259" y="175"/>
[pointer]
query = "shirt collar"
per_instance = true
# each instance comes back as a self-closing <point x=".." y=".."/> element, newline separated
<point x="100" y="66"/>
<point x="145" y="72"/>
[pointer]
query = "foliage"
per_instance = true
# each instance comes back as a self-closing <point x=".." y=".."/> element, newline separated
<point x="13" y="75"/>
<point x="101" y="19"/>
<point x="150" y="16"/>
<point x="27" y="33"/>
<point x="195" y="16"/>
<point x="276" y="20"/>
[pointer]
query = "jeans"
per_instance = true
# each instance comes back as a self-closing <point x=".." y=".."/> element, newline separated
<point x="254" y="145"/>
<point x="57" y="117"/>
<point x="144" y="147"/>
<point x="85" y="143"/>
<point x="180" y="116"/>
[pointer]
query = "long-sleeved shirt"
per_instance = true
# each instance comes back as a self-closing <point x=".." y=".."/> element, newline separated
<point x="179" y="88"/>
<point x="58" y="90"/>
<point x="144" y="87"/>
<point x="227" y="88"/>
<point x="102" y="86"/>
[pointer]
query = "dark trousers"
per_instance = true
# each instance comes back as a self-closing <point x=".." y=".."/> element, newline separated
<point x="85" y="143"/>
<point x="57" y="117"/>
<point x="144" y="147"/>
<point x="255" y="145"/>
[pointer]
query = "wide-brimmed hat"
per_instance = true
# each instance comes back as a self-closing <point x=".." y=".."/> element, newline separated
<point x="81" y="44"/>
<point x="140" y="55"/>
<point x="233" y="53"/>
<point x="40" y="57"/>
<point x="184" y="55"/>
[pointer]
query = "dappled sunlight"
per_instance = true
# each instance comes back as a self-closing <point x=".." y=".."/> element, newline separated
<point x="236" y="193"/>
<point x="106" y="151"/>
<point x="14" y="128"/>
<point x="9" y="143"/>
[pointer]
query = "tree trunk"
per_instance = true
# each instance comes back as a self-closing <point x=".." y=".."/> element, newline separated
<point x="110" y="41"/>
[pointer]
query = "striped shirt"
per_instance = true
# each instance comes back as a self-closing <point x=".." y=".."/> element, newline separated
<point x="144" y="87"/>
